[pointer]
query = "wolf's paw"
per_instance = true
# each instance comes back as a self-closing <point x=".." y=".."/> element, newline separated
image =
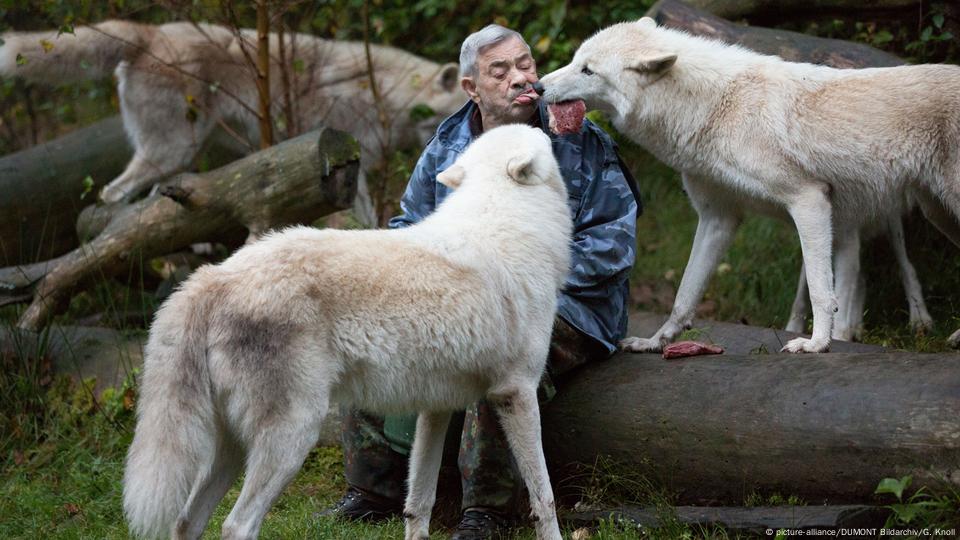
<point x="640" y="345"/>
<point x="806" y="345"/>
<point x="954" y="339"/>
<point x="111" y="194"/>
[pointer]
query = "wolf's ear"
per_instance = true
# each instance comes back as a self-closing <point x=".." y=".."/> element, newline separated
<point x="520" y="169"/>
<point x="452" y="177"/>
<point x="647" y="22"/>
<point x="654" y="65"/>
<point x="449" y="78"/>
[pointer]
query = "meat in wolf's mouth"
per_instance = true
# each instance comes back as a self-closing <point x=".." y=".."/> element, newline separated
<point x="566" y="116"/>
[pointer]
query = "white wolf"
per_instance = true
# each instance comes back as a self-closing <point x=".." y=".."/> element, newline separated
<point x="245" y="360"/>
<point x="829" y="148"/>
<point x="178" y="81"/>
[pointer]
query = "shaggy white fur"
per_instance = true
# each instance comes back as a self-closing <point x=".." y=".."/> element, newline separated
<point x="245" y="360"/>
<point x="831" y="149"/>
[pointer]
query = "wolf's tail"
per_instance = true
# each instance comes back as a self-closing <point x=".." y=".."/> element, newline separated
<point x="91" y="52"/>
<point x="176" y="436"/>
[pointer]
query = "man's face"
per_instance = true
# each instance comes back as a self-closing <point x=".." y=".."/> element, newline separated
<point x="502" y="87"/>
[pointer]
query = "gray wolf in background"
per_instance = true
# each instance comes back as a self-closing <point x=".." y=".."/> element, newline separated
<point x="828" y="148"/>
<point x="245" y="360"/>
<point x="178" y="81"/>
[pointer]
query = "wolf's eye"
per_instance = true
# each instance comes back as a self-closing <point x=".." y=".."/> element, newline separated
<point x="586" y="71"/>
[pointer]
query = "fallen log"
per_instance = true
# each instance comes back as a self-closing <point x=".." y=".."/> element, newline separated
<point x="43" y="189"/>
<point x="735" y="9"/>
<point x="294" y="182"/>
<point x="714" y="429"/>
<point x="792" y="46"/>
<point x="755" y="520"/>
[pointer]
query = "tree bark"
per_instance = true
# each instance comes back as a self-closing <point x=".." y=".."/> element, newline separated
<point x="791" y="46"/>
<point x="296" y="181"/>
<point x="263" y="73"/>
<point x="825" y="427"/>
<point x="42" y="186"/>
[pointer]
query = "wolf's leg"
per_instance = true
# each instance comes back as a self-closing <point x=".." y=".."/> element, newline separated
<point x="947" y="221"/>
<point x="274" y="456"/>
<point x="812" y="214"/>
<point x="520" y="417"/>
<point x="715" y="231"/>
<point x="157" y="155"/>
<point x="139" y="173"/>
<point x="363" y="204"/>
<point x="954" y="339"/>
<point x="424" y="468"/>
<point x="859" y="301"/>
<point x="920" y="319"/>
<point x="166" y="129"/>
<point x="208" y="490"/>
<point x="847" y="259"/>
<point x="800" y="307"/>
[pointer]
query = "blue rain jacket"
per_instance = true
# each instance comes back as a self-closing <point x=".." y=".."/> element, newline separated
<point x="604" y="204"/>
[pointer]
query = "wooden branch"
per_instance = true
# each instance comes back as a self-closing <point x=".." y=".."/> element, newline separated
<point x="792" y="46"/>
<point x="297" y="181"/>
<point x="43" y="190"/>
<point x="263" y="73"/>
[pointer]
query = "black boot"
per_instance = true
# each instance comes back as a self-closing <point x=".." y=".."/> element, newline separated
<point x="481" y="524"/>
<point x="357" y="505"/>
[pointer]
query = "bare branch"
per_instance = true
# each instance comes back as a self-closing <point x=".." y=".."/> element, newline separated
<point x="263" y="73"/>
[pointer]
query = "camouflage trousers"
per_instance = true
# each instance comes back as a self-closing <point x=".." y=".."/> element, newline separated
<point x="489" y="478"/>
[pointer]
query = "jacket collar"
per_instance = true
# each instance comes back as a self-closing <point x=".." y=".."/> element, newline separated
<point x="455" y="133"/>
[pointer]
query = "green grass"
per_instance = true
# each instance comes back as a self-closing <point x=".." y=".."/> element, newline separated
<point x="66" y="483"/>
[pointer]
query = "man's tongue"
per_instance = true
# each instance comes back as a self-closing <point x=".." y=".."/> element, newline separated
<point x="526" y="98"/>
<point x="567" y="116"/>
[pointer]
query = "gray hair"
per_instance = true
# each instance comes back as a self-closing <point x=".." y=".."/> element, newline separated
<point x="490" y="34"/>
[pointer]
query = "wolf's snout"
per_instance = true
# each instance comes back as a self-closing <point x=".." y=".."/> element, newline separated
<point x="538" y="88"/>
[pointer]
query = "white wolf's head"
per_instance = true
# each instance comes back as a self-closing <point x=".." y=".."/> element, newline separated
<point x="515" y="153"/>
<point x="611" y="70"/>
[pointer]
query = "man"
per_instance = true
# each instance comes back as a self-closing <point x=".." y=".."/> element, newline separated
<point x="498" y="73"/>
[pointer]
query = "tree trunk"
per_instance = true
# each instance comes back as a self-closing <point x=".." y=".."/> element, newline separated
<point x="825" y="427"/>
<point x="791" y="46"/>
<point x="42" y="186"/>
<point x="296" y="181"/>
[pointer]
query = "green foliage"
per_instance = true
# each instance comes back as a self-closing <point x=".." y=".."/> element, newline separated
<point x="922" y="508"/>
<point x="87" y="186"/>
<point x="923" y="39"/>
<point x="933" y="38"/>
<point x="421" y="111"/>
<point x="755" y="499"/>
